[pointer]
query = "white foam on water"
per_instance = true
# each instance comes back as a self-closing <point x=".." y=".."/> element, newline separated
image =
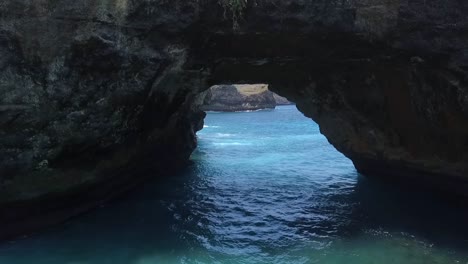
<point x="223" y="135"/>
<point x="230" y="144"/>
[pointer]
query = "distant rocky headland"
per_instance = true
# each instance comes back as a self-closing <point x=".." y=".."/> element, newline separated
<point x="241" y="97"/>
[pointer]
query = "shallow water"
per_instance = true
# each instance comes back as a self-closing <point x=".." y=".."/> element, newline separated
<point x="264" y="187"/>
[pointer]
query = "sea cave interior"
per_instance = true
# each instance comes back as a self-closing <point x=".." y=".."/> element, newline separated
<point x="233" y="131"/>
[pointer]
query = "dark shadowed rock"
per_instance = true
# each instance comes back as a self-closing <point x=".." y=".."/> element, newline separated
<point x="90" y="104"/>
<point x="231" y="98"/>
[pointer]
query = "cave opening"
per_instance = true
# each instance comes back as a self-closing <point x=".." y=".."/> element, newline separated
<point x="98" y="97"/>
<point x="249" y="125"/>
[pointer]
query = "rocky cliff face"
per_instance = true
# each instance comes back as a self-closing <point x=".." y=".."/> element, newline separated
<point x="93" y="89"/>
<point x="231" y="98"/>
<point x="93" y="95"/>
<point x="280" y="100"/>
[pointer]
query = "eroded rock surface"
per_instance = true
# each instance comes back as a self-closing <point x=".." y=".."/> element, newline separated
<point x="92" y="90"/>
<point x="94" y="98"/>
<point x="280" y="100"/>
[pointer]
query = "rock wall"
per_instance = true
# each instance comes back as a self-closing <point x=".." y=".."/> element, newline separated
<point x="94" y="91"/>
<point x="280" y="100"/>
<point x="94" y="98"/>
<point x="231" y="98"/>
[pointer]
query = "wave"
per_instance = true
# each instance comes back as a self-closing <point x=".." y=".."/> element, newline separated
<point x="223" y="135"/>
<point x="231" y="144"/>
<point x="241" y="111"/>
<point x="256" y="110"/>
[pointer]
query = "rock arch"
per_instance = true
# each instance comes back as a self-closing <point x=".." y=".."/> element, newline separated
<point x="91" y="92"/>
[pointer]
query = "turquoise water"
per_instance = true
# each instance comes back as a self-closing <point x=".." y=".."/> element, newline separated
<point x="264" y="187"/>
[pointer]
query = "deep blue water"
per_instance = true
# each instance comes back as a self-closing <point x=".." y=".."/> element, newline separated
<point x="264" y="187"/>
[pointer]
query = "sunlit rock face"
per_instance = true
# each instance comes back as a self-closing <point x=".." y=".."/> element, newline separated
<point x="93" y="90"/>
<point x="240" y="97"/>
<point x="280" y="100"/>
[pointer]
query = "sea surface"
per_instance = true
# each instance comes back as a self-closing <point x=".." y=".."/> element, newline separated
<point x="264" y="187"/>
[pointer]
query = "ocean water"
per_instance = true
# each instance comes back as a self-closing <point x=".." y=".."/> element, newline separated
<point x="264" y="187"/>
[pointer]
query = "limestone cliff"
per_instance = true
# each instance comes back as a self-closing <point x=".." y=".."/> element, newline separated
<point x="280" y="100"/>
<point x="231" y="98"/>
<point x="92" y="90"/>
